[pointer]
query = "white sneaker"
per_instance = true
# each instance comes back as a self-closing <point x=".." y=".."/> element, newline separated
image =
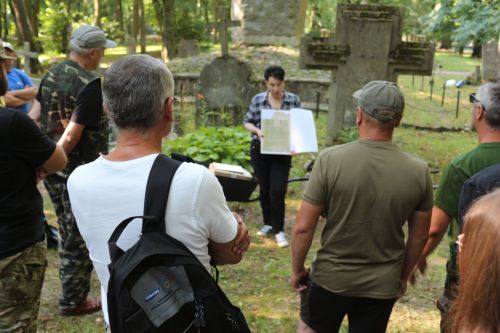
<point x="265" y="230"/>
<point x="281" y="239"/>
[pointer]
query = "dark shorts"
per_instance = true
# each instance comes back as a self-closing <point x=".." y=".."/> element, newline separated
<point x="324" y="311"/>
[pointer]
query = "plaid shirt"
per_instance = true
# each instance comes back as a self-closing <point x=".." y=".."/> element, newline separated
<point x="260" y="102"/>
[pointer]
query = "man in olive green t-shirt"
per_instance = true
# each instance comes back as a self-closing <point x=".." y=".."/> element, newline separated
<point x="486" y="122"/>
<point x="368" y="189"/>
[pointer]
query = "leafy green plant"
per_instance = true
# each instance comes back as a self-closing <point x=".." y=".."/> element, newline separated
<point x="348" y="134"/>
<point x="230" y="145"/>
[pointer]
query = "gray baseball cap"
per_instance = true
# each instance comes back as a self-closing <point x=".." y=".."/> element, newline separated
<point x="381" y="99"/>
<point x="89" y="37"/>
<point x="3" y="55"/>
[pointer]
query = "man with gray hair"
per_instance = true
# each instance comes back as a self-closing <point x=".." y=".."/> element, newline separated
<point x="367" y="189"/>
<point x="57" y="102"/>
<point x="138" y="96"/>
<point x="485" y="121"/>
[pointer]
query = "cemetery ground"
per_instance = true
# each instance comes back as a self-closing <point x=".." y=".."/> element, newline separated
<point x="259" y="284"/>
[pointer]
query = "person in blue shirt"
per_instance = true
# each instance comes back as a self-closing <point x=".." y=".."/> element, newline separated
<point x="20" y="89"/>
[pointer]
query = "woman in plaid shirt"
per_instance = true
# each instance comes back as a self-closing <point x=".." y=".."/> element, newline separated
<point x="271" y="171"/>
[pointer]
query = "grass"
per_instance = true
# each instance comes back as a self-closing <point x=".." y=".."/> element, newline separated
<point x="450" y="61"/>
<point x="259" y="284"/>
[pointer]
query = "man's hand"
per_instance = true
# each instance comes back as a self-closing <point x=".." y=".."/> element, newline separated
<point x="421" y="267"/>
<point x="40" y="174"/>
<point x="402" y="288"/>
<point x="299" y="278"/>
<point x="243" y="238"/>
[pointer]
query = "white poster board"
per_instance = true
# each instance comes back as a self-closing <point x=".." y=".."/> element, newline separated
<point x="288" y="132"/>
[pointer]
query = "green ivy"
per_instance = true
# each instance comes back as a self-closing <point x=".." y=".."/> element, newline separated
<point x="230" y="145"/>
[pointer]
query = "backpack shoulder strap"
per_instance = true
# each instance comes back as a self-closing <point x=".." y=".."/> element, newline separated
<point x="157" y="190"/>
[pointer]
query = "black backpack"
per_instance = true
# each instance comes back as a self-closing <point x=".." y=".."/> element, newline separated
<point x="158" y="285"/>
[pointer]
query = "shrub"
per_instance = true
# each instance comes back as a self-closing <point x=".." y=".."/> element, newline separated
<point x="230" y="145"/>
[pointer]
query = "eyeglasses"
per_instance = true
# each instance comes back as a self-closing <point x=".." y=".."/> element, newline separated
<point x="473" y="99"/>
<point x="459" y="242"/>
<point x="175" y="100"/>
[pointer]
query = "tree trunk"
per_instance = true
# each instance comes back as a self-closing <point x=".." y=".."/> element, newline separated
<point x="142" y="27"/>
<point x="134" y="31"/>
<point x="168" y="37"/>
<point x="158" y="7"/>
<point x="97" y="13"/>
<point x="476" y="50"/>
<point x="3" y="20"/>
<point x="22" y="18"/>
<point x="119" y="19"/>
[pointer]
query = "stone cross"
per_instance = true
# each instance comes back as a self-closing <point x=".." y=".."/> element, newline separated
<point x="221" y="25"/>
<point x="27" y="56"/>
<point x="367" y="46"/>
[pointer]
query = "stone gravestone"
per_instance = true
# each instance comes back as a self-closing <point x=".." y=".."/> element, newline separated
<point x="367" y="46"/>
<point x="188" y="48"/>
<point x="490" y="62"/>
<point x="225" y="87"/>
<point x="269" y="22"/>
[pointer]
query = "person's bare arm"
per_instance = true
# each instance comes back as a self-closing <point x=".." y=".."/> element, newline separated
<point x="253" y="129"/>
<point x="26" y="93"/>
<point x="71" y="136"/>
<point x="302" y="236"/>
<point x="56" y="162"/>
<point x="12" y="100"/>
<point x="35" y="112"/>
<point x="418" y="233"/>
<point x="439" y="225"/>
<point x="231" y="253"/>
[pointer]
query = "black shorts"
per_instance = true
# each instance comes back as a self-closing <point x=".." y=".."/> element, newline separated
<point x="324" y="311"/>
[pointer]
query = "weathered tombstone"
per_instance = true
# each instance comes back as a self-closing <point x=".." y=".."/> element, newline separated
<point x="367" y="46"/>
<point x="269" y="22"/>
<point x="490" y="62"/>
<point x="188" y="48"/>
<point x="225" y="87"/>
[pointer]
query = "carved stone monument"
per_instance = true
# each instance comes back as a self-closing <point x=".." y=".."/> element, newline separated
<point x="367" y="46"/>
<point x="269" y="22"/>
<point x="225" y="86"/>
<point x="188" y="48"/>
<point x="490" y="62"/>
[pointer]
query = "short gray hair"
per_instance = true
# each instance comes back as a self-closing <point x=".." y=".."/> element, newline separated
<point x="135" y="89"/>
<point x="489" y="96"/>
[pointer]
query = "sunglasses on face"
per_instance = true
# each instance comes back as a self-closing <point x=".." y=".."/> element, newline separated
<point x="473" y="99"/>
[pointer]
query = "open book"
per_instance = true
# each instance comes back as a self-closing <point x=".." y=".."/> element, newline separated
<point x="230" y="171"/>
<point x="288" y="132"/>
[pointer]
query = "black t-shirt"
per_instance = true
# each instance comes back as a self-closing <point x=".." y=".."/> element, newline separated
<point x="89" y="112"/>
<point x="23" y="148"/>
<point x="476" y="186"/>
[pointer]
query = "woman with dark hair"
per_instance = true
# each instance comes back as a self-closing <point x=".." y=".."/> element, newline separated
<point x="477" y="306"/>
<point x="270" y="170"/>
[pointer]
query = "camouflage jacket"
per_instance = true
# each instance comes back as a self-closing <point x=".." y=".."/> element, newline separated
<point x="58" y="96"/>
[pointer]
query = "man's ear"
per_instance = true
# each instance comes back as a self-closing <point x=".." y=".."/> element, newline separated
<point x="169" y="109"/>
<point x="359" y="116"/>
<point x="479" y="112"/>
<point x="397" y="122"/>
<point x="106" y="110"/>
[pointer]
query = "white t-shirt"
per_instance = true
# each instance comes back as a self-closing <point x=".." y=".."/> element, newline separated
<point x="104" y="193"/>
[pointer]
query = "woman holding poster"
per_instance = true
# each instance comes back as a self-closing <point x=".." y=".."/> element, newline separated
<point x="270" y="170"/>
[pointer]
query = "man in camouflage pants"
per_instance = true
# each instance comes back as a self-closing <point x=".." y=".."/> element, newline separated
<point x="25" y="153"/>
<point x="70" y="109"/>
